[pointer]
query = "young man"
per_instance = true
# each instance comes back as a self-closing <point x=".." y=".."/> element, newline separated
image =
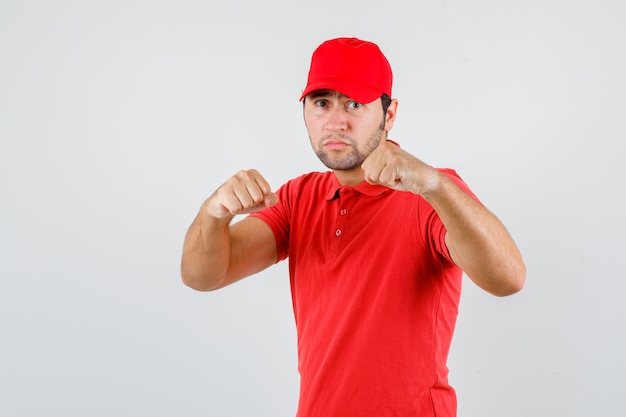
<point x="376" y="246"/>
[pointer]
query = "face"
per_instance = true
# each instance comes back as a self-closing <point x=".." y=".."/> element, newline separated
<point x="342" y="131"/>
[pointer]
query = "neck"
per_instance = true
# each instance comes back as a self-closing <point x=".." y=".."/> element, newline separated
<point x="350" y="177"/>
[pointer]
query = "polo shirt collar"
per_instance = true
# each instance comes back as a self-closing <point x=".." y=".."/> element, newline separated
<point x="365" y="188"/>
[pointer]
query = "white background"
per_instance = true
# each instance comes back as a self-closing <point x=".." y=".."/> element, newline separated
<point x="118" y="118"/>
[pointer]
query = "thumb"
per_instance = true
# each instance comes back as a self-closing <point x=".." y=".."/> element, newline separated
<point x="271" y="200"/>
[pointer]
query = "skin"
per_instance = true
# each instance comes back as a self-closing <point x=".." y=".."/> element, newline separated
<point x="350" y="138"/>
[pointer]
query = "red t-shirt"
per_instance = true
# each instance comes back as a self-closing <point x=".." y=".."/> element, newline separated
<point x="375" y="297"/>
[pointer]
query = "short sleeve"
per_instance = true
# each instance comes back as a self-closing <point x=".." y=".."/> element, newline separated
<point x="278" y="219"/>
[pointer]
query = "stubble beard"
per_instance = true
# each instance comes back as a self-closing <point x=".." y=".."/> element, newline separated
<point x="355" y="157"/>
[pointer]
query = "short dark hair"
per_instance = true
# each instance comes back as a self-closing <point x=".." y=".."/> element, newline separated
<point x="386" y="100"/>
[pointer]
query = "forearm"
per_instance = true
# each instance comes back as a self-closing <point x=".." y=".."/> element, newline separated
<point x="206" y="252"/>
<point x="216" y="254"/>
<point x="477" y="240"/>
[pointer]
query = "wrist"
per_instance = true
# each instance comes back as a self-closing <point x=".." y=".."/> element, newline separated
<point x="430" y="184"/>
<point x="219" y="216"/>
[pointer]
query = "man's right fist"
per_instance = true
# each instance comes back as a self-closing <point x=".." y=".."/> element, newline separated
<point x="245" y="192"/>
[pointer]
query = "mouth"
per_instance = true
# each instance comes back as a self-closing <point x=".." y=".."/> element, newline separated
<point x="335" y="144"/>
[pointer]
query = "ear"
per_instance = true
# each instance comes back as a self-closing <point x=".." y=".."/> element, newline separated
<point x="390" y="116"/>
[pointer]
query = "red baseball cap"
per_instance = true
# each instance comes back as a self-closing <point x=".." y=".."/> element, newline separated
<point x="354" y="67"/>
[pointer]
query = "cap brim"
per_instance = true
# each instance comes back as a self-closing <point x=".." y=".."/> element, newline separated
<point x="355" y="90"/>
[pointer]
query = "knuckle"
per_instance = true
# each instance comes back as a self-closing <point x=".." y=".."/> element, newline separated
<point x="241" y="175"/>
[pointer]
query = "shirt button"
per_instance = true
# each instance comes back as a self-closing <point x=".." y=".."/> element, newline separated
<point x="338" y="232"/>
<point x="343" y="212"/>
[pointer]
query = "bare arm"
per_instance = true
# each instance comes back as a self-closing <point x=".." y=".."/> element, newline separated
<point x="216" y="253"/>
<point x="477" y="240"/>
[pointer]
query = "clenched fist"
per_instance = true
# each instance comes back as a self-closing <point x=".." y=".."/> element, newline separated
<point x="395" y="168"/>
<point x="245" y="192"/>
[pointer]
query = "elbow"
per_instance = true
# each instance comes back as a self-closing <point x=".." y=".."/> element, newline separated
<point x="198" y="282"/>
<point x="511" y="282"/>
<point x="511" y="288"/>
<point x="501" y="280"/>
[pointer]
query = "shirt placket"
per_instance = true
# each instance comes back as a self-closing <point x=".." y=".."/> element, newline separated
<point x="342" y="216"/>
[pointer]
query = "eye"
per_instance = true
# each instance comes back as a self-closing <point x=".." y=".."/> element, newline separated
<point x="354" y="105"/>
<point x="321" y="103"/>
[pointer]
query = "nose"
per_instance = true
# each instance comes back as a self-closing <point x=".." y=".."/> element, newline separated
<point x="337" y="119"/>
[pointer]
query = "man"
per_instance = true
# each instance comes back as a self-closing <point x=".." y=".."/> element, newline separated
<point x="377" y="247"/>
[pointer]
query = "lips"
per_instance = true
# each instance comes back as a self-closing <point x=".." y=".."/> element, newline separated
<point x="335" y="143"/>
